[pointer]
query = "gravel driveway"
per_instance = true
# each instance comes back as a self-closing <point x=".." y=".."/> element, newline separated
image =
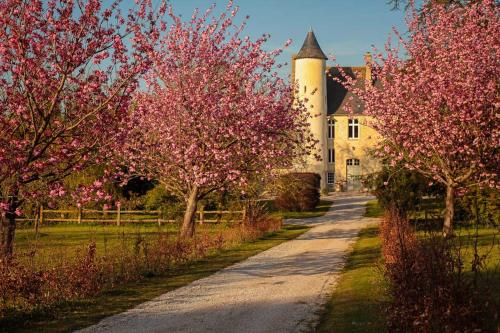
<point x="279" y="290"/>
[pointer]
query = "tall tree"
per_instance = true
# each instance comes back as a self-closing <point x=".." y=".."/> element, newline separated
<point x="437" y="106"/>
<point x="66" y="76"/>
<point x="215" y="111"/>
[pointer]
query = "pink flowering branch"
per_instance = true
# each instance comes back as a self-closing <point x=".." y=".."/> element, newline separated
<point x="215" y="112"/>
<point x="66" y="78"/>
<point x="437" y="106"/>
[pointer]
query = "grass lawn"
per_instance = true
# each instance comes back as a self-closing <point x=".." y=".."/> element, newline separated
<point x="75" y="315"/>
<point x="58" y="241"/>
<point x="373" y="209"/>
<point x="320" y="210"/>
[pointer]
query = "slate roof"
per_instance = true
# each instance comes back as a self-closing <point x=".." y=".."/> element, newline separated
<point x="338" y="96"/>
<point x="311" y="48"/>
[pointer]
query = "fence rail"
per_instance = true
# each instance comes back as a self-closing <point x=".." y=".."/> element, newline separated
<point x="155" y="216"/>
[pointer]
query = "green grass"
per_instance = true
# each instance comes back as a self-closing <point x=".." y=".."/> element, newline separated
<point x="320" y="210"/>
<point x="373" y="209"/>
<point x="488" y="245"/>
<point x="57" y="241"/>
<point x="75" y="315"/>
<point x="53" y="240"/>
<point x="356" y="304"/>
<point x="68" y="234"/>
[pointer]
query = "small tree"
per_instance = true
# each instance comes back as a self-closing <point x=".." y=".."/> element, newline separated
<point x="214" y="113"/>
<point x="65" y="83"/>
<point x="437" y="108"/>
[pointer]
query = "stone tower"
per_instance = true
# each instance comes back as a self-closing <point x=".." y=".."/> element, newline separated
<point x="309" y="71"/>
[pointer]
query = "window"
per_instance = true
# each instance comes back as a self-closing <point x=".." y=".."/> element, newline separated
<point x="353" y="128"/>
<point x="330" y="178"/>
<point x="352" y="161"/>
<point x="331" y="129"/>
<point x="331" y="155"/>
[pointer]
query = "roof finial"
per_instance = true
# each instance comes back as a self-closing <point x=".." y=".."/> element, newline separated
<point x="310" y="28"/>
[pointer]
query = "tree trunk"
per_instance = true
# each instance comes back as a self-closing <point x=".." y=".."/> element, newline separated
<point x="10" y="234"/>
<point x="9" y="228"/>
<point x="3" y="233"/>
<point x="188" y="224"/>
<point x="449" y="211"/>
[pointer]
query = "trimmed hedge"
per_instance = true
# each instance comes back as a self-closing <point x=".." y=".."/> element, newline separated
<point x="298" y="191"/>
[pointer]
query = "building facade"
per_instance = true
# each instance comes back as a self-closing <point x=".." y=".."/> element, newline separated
<point x="345" y="141"/>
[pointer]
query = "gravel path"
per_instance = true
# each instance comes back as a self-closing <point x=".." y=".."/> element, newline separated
<point x="279" y="290"/>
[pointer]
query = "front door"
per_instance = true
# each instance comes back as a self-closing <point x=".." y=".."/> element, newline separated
<point x="353" y="174"/>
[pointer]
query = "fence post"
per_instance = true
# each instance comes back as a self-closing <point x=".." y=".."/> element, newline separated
<point x="41" y="214"/>
<point x="243" y="215"/>
<point x="202" y="214"/>
<point x="79" y="214"/>
<point x="118" y="215"/>
<point x="159" y="217"/>
<point x="37" y="220"/>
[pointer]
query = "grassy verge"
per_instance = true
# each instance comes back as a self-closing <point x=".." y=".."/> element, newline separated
<point x="358" y="300"/>
<point x="75" y="315"/>
<point x="356" y="304"/>
<point x="373" y="209"/>
<point x="320" y="210"/>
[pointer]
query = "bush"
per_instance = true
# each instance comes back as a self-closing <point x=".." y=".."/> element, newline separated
<point x="479" y="206"/>
<point x="159" y="198"/>
<point x="298" y="192"/>
<point x="428" y="289"/>
<point x="258" y="218"/>
<point x="400" y="188"/>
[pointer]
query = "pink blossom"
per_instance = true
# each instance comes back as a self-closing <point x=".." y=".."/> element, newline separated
<point x="73" y="112"/>
<point x="436" y="106"/>
<point x="215" y="112"/>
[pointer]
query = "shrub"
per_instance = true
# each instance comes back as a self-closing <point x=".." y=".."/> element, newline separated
<point x="427" y="286"/>
<point x="479" y="206"/>
<point x="257" y="218"/>
<point x="298" y="192"/>
<point x="400" y="188"/>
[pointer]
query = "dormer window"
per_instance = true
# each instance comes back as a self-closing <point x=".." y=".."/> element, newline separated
<point x="353" y="132"/>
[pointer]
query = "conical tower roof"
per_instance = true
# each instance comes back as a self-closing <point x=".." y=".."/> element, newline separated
<point x="310" y="48"/>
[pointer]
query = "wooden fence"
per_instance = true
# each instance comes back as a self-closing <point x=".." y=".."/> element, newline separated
<point x="119" y="216"/>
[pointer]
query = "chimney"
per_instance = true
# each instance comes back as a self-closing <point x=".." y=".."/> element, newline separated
<point x="368" y="68"/>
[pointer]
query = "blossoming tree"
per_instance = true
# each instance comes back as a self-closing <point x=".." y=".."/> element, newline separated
<point x="66" y="77"/>
<point x="214" y="113"/>
<point x="437" y="107"/>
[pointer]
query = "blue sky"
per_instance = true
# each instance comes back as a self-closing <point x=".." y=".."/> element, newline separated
<point x="346" y="28"/>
